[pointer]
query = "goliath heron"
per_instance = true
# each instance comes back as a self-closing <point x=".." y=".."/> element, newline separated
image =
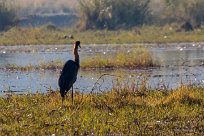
<point x="69" y="73"/>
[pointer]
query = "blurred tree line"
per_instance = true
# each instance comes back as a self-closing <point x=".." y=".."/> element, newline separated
<point x="178" y="11"/>
<point x="113" y="14"/>
<point x="7" y="14"/>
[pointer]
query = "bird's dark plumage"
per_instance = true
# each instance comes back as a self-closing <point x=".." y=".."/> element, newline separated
<point x="69" y="73"/>
<point x="68" y="76"/>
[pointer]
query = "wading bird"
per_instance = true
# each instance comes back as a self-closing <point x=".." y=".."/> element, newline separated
<point x="69" y="73"/>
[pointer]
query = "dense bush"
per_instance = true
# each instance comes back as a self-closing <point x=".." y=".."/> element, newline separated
<point x="180" y="11"/>
<point x="112" y="14"/>
<point x="7" y="15"/>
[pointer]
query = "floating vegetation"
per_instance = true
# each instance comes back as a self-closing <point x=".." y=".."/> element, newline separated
<point x="124" y="110"/>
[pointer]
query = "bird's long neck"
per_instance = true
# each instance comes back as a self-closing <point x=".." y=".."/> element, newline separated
<point x="76" y="55"/>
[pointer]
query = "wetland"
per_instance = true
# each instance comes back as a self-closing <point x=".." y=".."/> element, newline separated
<point x="175" y="64"/>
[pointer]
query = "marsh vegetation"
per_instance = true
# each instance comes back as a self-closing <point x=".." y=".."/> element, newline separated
<point x="135" y="58"/>
<point x="50" y="34"/>
<point x="106" y="22"/>
<point x="125" y="109"/>
<point x="172" y="64"/>
<point x="129" y="106"/>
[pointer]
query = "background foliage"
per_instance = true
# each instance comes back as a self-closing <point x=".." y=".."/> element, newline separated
<point x="183" y="10"/>
<point x="111" y="14"/>
<point x="7" y="14"/>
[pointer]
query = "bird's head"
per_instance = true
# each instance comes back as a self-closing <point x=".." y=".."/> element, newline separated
<point x="77" y="44"/>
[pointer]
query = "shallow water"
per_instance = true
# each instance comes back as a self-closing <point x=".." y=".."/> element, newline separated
<point x="181" y="64"/>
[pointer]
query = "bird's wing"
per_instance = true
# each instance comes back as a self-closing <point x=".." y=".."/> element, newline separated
<point x="68" y="75"/>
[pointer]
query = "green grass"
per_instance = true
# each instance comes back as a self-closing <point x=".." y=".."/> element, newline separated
<point x="136" y="58"/>
<point x="51" y="35"/>
<point x="124" y="110"/>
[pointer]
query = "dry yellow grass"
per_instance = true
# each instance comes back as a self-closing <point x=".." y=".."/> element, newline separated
<point x="124" y="110"/>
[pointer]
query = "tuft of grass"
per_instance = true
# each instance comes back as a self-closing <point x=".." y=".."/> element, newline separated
<point x="124" y="110"/>
<point x="185" y="95"/>
<point x="139" y="57"/>
<point x="52" y="65"/>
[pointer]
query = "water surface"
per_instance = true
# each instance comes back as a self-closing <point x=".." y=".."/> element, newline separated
<point x="180" y="64"/>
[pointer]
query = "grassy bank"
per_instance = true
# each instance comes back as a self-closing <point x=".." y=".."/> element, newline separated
<point x="51" y="35"/>
<point x="125" y="110"/>
<point x="136" y="58"/>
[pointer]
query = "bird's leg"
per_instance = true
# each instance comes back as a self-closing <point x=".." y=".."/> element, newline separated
<point x="63" y="100"/>
<point x="72" y="95"/>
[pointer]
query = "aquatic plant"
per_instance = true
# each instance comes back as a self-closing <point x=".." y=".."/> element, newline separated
<point x="52" y="65"/>
<point x="136" y="58"/>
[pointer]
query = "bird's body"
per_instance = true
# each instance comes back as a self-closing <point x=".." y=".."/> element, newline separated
<point x="68" y="76"/>
<point x="69" y="73"/>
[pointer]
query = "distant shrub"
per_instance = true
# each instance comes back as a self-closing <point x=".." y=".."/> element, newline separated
<point x="7" y="16"/>
<point x="183" y="10"/>
<point x="113" y="14"/>
<point x="50" y="27"/>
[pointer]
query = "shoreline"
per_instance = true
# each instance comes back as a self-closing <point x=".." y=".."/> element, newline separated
<point x="110" y="44"/>
<point x="144" y="35"/>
